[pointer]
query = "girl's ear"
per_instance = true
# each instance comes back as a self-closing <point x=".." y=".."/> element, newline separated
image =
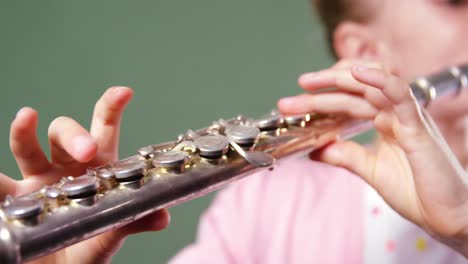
<point x="353" y="40"/>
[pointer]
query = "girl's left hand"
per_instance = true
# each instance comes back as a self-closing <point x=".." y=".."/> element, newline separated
<point x="411" y="167"/>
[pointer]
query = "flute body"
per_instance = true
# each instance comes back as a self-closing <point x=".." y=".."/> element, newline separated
<point x="164" y="175"/>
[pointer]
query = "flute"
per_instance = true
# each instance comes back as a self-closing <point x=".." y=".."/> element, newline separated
<point x="164" y="175"/>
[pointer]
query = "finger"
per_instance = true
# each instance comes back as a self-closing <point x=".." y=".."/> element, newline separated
<point x="24" y="143"/>
<point x="105" y="246"/>
<point x="153" y="222"/>
<point x="35" y="183"/>
<point x="396" y="90"/>
<point x="7" y="186"/>
<point x="70" y="142"/>
<point x="384" y="122"/>
<point x="348" y="155"/>
<point x="111" y="241"/>
<point x="373" y="64"/>
<point x="105" y="126"/>
<point x="329" y="103"/>
<point x="339" y="78"/>
<point x="348" y="63"/>
<point x="342" y="80"/>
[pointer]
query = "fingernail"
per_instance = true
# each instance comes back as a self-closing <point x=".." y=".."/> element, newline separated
<point x="331" y="152"/>
<point x="117" y="90"/>
<point x="83" y="145"/>
<point x="308" y="76"/>
<point x="286" y="101"/>
<point x="360" y="68"/>
<point x="21" y="111"/>
<point x="120" y="95"/>
<point x="319" y="153"/>
<point x="315" y="155"/>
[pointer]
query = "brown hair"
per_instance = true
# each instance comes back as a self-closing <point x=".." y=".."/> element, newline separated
<point x="334" y="12"/>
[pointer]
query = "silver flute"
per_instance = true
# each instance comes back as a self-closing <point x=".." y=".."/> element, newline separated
<point x="163" y="175"/>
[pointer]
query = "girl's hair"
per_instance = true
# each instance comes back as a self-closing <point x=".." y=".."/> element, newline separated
<point x="334" y="12"/>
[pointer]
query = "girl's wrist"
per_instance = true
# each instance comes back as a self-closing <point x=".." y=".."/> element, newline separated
<point x="458" y="242"/>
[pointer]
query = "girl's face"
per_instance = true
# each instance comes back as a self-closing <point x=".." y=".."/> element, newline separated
<point x="424" y="36"/>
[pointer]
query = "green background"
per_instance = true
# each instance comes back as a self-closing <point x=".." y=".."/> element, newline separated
<point x="190" y="62"/>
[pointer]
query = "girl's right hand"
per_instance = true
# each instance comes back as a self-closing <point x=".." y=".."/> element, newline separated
<point x="73" y="149"/>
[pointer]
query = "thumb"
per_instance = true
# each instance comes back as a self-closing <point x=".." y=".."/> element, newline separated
<point x="152" y="222"/>
<point x="348" y="155"/>
<point x="106" y="245"/>
<point x="7" y="186"/>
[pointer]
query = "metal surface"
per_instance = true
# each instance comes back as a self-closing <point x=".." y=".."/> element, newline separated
<point x="212" y="146"/>
<point x="23" y="208"/>
<point x="105" y="174"/>
<point x="97" y="202"/>
<point x="445" y="83"/>
<point x="243" y="134"/>
<point x="295" y="120"/>
<point x="53" y="197"/>
<point x="270" y="122"/>
<point x="170" y="159"/>
<point x="53" y="193"/>
<point x="128" y="170"/>
<point x="258" y="159"/>
<point x="9" y="251"/>
<point x="79" y="186"/>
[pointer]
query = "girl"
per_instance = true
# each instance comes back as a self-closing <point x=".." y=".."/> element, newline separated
<point x="310" y="212"/>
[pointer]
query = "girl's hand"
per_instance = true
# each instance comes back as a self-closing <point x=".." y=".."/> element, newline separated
<point x="411" y="166"/>
<point x="74" y="149"/>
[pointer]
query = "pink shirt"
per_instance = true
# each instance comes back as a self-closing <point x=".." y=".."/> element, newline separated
<point x="307" y="212"/>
